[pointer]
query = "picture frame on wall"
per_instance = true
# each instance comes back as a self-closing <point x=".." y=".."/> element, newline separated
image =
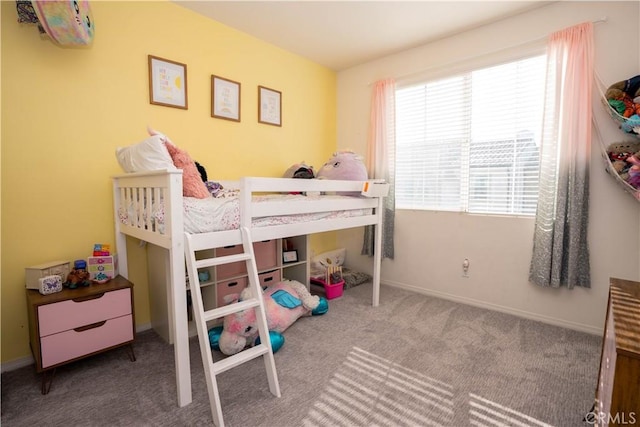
<point x="269" y="106"/>
<point x="225" y="99"/>
<point x="167" y="82"/>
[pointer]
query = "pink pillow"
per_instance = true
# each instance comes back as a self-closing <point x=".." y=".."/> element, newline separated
<point x="192" y="184"/>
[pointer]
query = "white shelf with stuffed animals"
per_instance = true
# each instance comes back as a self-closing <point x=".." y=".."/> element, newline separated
<point x="622" y="102"/>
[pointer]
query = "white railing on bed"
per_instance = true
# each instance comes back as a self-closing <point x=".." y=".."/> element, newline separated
<point x="136" y="195"/>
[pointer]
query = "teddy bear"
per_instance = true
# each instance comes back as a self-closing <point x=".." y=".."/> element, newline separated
<point x="284" y="302"/>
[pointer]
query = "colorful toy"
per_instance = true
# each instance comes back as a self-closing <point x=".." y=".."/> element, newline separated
<point x="285" y="302"/>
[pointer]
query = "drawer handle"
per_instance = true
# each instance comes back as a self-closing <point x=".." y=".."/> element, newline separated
<point x="91" y="326"/>
<point x="232" y="284"/>
<point x="268" y="279"/>
<point x="88" y="297"/>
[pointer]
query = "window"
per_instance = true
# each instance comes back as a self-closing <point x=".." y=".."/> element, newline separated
<point x="471" y="142"/>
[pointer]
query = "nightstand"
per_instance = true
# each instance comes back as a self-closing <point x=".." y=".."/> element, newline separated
<point x="76" y="323"/>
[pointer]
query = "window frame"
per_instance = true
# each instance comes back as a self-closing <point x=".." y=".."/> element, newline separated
<point x="460" y="69"/>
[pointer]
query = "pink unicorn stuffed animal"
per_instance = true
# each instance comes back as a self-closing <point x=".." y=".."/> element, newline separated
<point x="285" y="302"/>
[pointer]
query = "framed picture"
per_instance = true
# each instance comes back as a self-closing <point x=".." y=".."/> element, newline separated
<point x="225" y="99"/>
<point x="289" y="256"/>
<point x="167" y="83"/>
<point x="269" y="106"/>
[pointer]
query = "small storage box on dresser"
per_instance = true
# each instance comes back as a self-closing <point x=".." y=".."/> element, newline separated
<point x="32" y="274"/>
<point x="101" y="267"/>
<point x="76" y="323"/>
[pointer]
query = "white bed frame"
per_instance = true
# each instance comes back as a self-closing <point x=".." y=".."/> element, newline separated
<point x="129" y="189"/>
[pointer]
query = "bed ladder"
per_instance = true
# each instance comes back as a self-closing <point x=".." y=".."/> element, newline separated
<point x="199" y="242"/>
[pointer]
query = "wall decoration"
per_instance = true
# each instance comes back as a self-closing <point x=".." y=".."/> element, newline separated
<point x="167" y="83"/>
<point x="289" y="256"/>
<point x="225" y="99"/>
<point x="269" y="106"/>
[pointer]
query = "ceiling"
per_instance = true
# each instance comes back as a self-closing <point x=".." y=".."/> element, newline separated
<point x="342" y="34"/>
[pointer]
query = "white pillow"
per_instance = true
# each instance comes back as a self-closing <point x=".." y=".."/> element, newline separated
<point x="148" y="155"/>
<point x="332" y="258"/>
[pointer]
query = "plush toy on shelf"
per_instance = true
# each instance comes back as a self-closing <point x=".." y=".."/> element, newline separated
<point x="285" y="302"/>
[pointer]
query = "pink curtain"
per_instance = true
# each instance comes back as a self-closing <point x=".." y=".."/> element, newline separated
<point x="380" y="159"/>
<point x="560" y="249"/>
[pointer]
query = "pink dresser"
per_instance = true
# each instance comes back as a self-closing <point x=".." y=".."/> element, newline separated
<point x="77" y="323"/>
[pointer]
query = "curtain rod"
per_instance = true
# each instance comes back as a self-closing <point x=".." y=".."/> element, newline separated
<point x="404" y="76"/>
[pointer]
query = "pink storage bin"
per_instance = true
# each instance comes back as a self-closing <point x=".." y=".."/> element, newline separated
<point x="331" y="290"/>
<point x="266" y="254"/>
<point x="269" y="278"/>
<point x="334" y="290"/>
<point x="226" y="271"/>
<point x="229" y="287"/>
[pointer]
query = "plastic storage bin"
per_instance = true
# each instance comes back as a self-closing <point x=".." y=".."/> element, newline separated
<point x="333" y="290"/>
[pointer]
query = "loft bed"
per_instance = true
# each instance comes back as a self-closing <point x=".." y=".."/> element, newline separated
<point x="150" y="206"/>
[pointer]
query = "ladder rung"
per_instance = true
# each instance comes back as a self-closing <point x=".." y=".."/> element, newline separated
<point x="219" y="312"/>
<point x="239" y="358"/>
<point x="227" y="259"/>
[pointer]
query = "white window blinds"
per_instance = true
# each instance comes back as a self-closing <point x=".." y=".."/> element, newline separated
<point x="470" y="142"/>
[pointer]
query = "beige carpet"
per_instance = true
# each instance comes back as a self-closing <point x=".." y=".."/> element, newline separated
<point x="412" y="361"/>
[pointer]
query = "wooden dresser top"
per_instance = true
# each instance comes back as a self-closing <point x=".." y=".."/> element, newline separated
<point x="625" y="305"/>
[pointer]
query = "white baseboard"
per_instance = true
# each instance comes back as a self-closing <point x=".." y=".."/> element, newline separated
<point x="26" y="361"/>
<point x="503" y="309"/>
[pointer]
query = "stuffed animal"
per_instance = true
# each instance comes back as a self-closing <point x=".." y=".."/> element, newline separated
<point x="285" y="302"/>
<point x="345" y="165"/>
<point x="630" y="87"/>
<point x="300" y="170"/>
<point x="77" y="277"/>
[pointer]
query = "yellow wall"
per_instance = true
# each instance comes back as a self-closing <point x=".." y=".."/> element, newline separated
<point x="65" y="110"/>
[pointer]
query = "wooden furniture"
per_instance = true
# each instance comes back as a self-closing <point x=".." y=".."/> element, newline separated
<point x="618" y="391"/>
<point x="77" y="323"/>
<point x="137" y="197"/>
<point x="224" y="280"/>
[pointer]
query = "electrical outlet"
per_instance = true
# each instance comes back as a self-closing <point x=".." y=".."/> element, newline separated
<point x="465" y="268"/>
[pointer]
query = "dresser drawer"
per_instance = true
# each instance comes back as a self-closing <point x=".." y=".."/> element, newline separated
<point x="70" y="314"/>
<point x="70" y="344"/>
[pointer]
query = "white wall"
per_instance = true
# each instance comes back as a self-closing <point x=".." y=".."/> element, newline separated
<point x="430" y="246"/>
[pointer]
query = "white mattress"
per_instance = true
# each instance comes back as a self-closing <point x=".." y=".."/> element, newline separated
<point x="223" y="213"/>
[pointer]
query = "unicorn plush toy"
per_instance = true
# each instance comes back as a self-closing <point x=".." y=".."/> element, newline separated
<point x="285" y="302"/>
